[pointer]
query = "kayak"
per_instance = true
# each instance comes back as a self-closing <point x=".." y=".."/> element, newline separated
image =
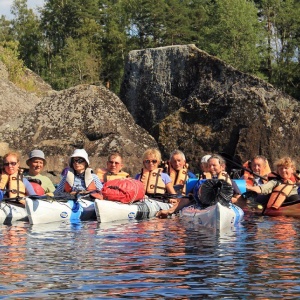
<point x="12" y="211"/>
<point x="51" y="210"/>
<point x="217" y="216"/>
<point x="110" y="211"/>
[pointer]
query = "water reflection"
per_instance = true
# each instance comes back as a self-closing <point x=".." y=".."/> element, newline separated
<point x="153" y="258"/>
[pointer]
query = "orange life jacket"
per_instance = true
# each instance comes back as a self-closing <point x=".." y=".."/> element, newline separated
<point x="250" y="177"/>
<point x="179" y="177"/>
<point x="105" y="176"/>
<point x="153" y="182"/>
<point x="14" y="184"/>
<point x="280" y="192"/>
<point x="88" y="179"/>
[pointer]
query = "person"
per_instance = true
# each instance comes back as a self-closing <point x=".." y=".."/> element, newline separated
<point x="204" y="166"/>
<point x="217" y="171"/>
<point x="259" y="165"/>
<point x="177" y="169"/>
<point x="12" y="181"/>
<point x="281" y="186"/>
<point x="113" y="169"/>
<point x="41" y="183"/>
<point x="80" y="177"/>
<point x="155" y="181"/>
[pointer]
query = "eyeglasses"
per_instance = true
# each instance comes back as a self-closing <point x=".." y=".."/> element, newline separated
<point x="78" y="160"/>
<point x="113" y="162"/>
<point x="13" y="163"/>
<point x="148" y="161"/>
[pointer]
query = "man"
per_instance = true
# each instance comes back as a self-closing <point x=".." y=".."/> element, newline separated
<point x="178" y="171"/>
<point x="113" y="169"/>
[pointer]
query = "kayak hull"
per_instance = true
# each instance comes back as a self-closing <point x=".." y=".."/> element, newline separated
<point x="217" y="216"/>
<point x="110" y="211"/>
<point x="12" y="212"/>
<point x="46" y="211"/>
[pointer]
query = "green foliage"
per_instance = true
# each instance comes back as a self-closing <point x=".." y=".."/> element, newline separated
<point x="87" y="41"/>
<point x="15" y="66"/>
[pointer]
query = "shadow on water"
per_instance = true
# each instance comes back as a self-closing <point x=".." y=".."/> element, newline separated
<point x="151" y="259"/>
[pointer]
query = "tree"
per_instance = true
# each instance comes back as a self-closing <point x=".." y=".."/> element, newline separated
<point x="26" y="31"/>
<point x="234" y="33"/>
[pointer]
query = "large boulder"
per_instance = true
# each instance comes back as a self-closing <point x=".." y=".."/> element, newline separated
<point x="190" y="100"/>
<point x="84" y="116"/>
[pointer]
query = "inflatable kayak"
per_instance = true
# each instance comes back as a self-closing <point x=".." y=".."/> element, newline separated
<point x="51" y="210"/>
<point x="109" y="211"/>
<point x="12" y="211"/>
<point x="217" y="216"/>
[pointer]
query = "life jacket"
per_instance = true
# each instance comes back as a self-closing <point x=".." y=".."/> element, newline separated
<point x="179" y="177"/>
<point x="280" y="192"/>
<point x="14" y="184"/>
<point x="153" y="182"/>
<point x="88" y="180"/>
<point x="249" y="178"/>
<point x="222" y="175"/>
<point x="37" y="186"/>
<point x="105" y="176"/>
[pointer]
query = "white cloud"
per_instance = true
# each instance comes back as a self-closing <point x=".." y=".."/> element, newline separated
<point x="5" y="6"/>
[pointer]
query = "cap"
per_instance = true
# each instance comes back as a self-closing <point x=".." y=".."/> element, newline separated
<point x="80" y="153"/>
<point x="205" y="158"/>
<point x="36" y="154"/>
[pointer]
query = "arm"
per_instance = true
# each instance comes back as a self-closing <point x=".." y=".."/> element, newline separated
<point x="61" y="186"/>
<point x="97" y="181"/>
<point x="29" y="189"/>
<point x="183" y="202"/>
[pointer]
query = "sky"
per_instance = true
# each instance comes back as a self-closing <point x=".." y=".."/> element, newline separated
<point x="5" y="6"/>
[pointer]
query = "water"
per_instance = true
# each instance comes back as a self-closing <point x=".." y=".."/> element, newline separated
<point x="155" y="258"/>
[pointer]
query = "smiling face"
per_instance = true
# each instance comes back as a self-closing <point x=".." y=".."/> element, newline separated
<point x="11" y="164"/>
<point x="215" y="167"/>
<point x="150" y="162"/>
<point x="258" y="165"/>
<point x="36" y="165"/>
<point x="285" y="172"/>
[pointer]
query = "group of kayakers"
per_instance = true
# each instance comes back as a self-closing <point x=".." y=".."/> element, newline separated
<point x="159" y="178"/>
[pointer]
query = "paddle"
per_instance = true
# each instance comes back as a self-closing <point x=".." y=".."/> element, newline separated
<point x="225" y="156"/>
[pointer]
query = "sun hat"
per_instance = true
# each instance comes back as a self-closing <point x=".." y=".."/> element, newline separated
<point x="79" y="153"/>
<point x="36" y="154"/>
<point x="205" y="158"/>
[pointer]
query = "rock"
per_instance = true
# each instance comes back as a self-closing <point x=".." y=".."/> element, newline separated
<point x="190" y="100"/>
<point x="84" y="116"/>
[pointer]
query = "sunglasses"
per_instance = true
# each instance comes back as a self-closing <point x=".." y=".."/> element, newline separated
<point x="78" y="160"/>
<point x="148" y="161"/>
<point x="13" y="163"/>
<point x="114" y="162"/>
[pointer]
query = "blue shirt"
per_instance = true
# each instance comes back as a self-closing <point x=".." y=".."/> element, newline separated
<point x="79" y="183"/>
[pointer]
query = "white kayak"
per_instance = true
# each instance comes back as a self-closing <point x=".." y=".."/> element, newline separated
<point x="110" y="211"/>
<point x="217" y="216"/>
<point x="51" y="210"/>
<point x="11" y="211"/>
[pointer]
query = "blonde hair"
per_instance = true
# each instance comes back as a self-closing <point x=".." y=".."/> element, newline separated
<point x="15" y="154"/>
<point x="154" y="152"/>
<point x="285" y="162"/>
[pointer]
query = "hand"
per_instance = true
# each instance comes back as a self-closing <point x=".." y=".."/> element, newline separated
<point x="173" y="201"/>
<point x="163" y="214"/>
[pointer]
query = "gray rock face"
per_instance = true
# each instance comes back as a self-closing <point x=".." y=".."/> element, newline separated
<point x="85" y="116"/>
<point x="190" y="100"/>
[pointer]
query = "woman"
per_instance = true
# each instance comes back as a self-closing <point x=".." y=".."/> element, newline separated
<point x="281" y="186"/>
<point x="155" y="181"/>
<point x="41" y="184"/>
<point x="12" y="181"/>
<point x="80" y="177"/>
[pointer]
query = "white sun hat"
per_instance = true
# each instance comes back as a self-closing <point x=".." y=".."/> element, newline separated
<point x="80" y="153"/>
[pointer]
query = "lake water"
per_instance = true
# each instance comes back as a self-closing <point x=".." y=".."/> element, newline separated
<point x="157" y="258"/>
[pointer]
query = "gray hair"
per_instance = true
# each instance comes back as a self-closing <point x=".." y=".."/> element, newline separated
<point x="175" y="152"/>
